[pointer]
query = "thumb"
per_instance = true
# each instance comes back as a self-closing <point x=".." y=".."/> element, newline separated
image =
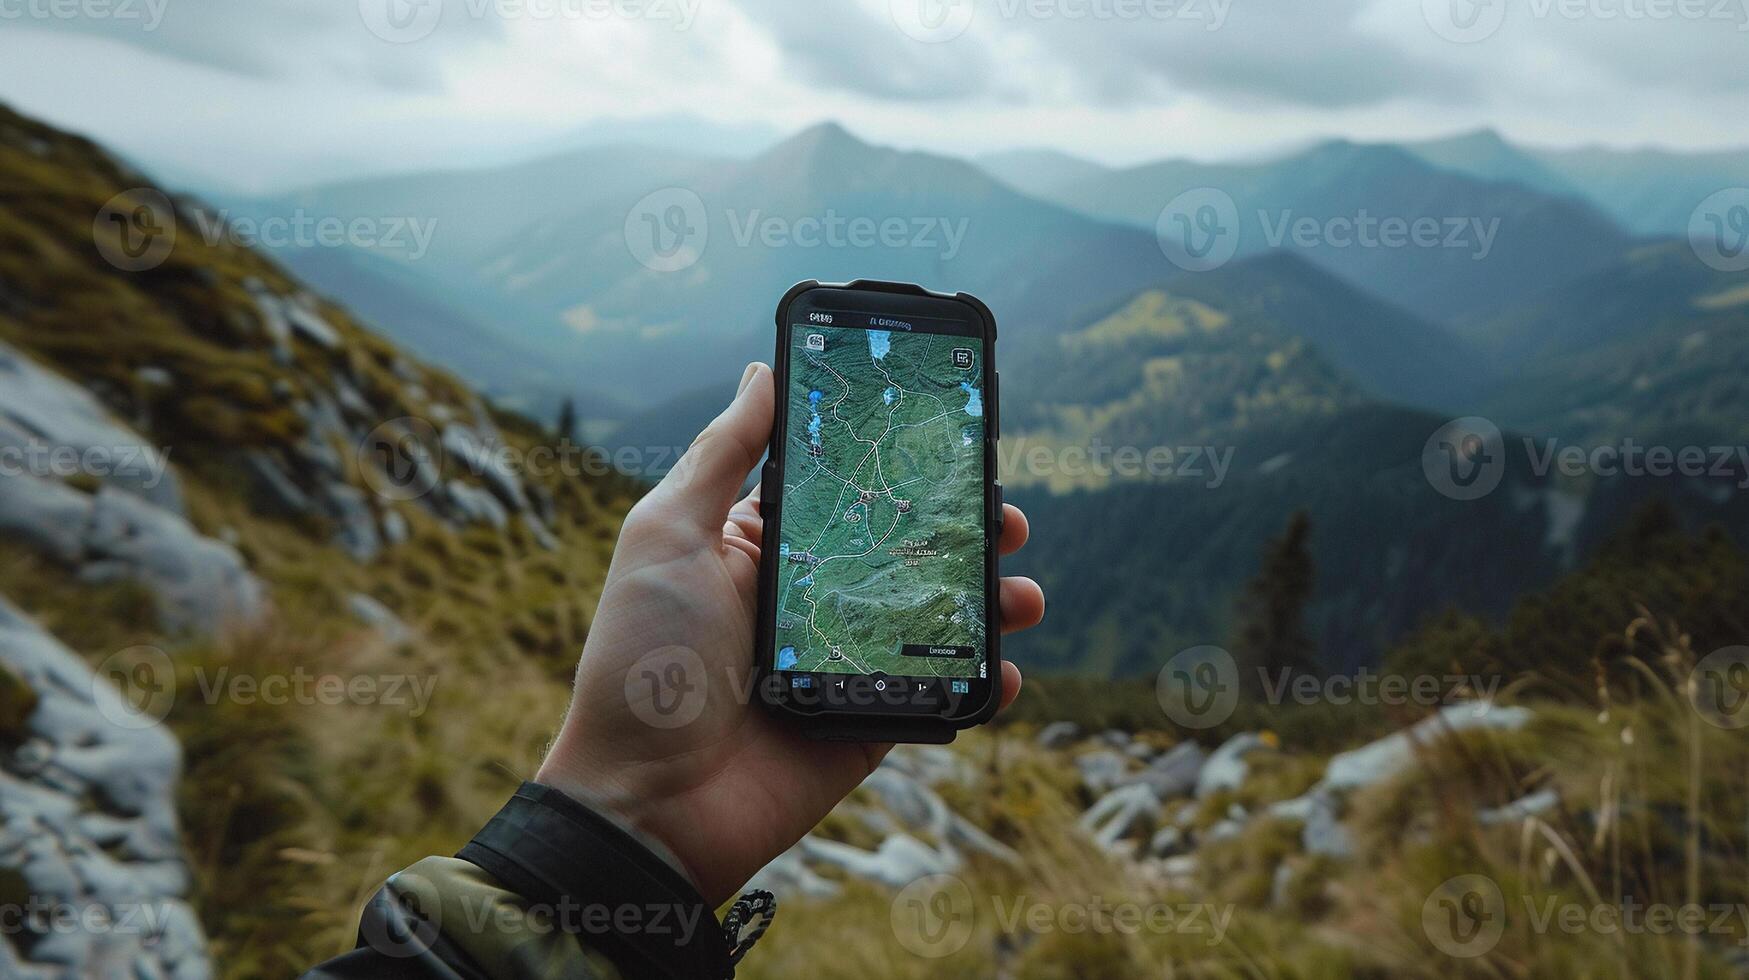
<point x="707" y="481"/>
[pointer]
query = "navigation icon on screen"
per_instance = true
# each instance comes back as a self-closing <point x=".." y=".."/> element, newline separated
<point x="962" y="357"/>
<point x="816" y="341"/>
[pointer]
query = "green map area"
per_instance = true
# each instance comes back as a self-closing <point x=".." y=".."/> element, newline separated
<point x="882" y="542"/>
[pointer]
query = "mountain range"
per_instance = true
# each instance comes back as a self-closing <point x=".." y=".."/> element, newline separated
<point x="633" y="280"/>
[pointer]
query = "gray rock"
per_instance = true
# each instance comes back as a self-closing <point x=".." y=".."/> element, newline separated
<point x="306" y="321"/>
<point x="1115" y="738"/>
<point x="279" y="494"/>
<point x="1173" y="774"/>
<point x="46" y="515"/>
<point x="91" y="826"/>
<point x="1167" y="842"/>
<point x="1394" y="754"/>
<point x="1058" y="735"/>
<point x="483" y="457"/>
<point x="395" y="529"/>
<point x="198" y="583"/>
<point x="1101" y="769"/>
<point x="900" y="860"/>
<point x="476" y="506"/>
<point x="1279" y="885"/>
<point x="55" y="424"/>
<point x="380" y="618"/>
<point x="1534" y="805"/>
<point x="1226" y="769"/>
<point x="1118" y="813"/>
<point x="1325" y="834"/>
<point x="1222" y="830"/>
<point x="357" y="534"/>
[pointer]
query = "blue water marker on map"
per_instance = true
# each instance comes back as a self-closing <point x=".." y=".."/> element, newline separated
<point x="814" y="398"/>
<point x="786" y="658"/>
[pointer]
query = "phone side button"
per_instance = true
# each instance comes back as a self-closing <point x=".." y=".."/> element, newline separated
<point x="1000" y="516"/>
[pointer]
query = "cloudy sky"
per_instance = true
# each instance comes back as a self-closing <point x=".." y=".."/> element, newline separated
<point x="262" y="94"/>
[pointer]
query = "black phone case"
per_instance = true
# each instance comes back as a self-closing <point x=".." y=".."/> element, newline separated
<point x="873" y="725"/>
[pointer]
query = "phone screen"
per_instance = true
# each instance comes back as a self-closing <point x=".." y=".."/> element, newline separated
<point x="882" y="531"/>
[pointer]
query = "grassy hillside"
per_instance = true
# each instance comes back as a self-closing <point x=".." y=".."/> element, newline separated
<point x="293" y="813"/>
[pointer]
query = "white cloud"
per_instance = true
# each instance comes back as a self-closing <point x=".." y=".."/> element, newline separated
<point x="280" y="91"/>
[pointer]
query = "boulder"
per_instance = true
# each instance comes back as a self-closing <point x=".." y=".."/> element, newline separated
<point x="1101" y="769"/>
<point x="900" y="860"/>
<point x="1379" y="761"/>
<point x="1118" y="813"/>
<point x="1058" y="735"/>
<point x="357" y="534"/>
<point x="1173" y="774"/>
<point x="198" y="583"/>
<point x="380" y="618"/>
<point x="484" y="458"/>
<point x="88" y="822"/>
<point x="788" y="876"/>
<point x="49" y="424"/>
<point x="1226" y="769"/>
<point x="1534" y="805"/>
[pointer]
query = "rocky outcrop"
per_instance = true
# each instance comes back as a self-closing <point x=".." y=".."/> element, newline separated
<point x="920" y="834"/>
<point x="90" y="493"/>
<point x="88" y="831"/>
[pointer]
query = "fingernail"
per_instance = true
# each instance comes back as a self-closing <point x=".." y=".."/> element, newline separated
<point x="747" y="378"/>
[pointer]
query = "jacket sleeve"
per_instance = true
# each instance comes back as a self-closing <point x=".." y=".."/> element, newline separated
<point x="547" y="889"/>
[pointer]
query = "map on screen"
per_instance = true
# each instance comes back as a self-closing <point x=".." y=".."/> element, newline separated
<point x="881" y="553"/>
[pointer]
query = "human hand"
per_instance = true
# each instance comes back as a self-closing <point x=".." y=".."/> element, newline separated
<point x="712" y="777"/>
